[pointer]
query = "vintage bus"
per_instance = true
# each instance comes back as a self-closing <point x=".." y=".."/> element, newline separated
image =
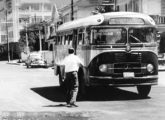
<point x="118" y="49"/>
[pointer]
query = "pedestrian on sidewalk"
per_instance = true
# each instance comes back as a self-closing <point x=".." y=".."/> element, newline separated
<point x="72" y="64"/>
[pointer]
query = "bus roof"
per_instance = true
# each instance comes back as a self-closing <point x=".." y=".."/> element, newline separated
<point x="101" y="18"/>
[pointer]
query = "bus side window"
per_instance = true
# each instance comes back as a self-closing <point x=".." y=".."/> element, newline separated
<point x="59" y="42"/>
<point x="81" y="36"/>
<point x="63" y="40"/>
<point x="86" y="37"/>
<point x="56" y="42"/>
<point x="80" y="39"/>
<point x="70" y="39"/>
<point x="66" y="39"/>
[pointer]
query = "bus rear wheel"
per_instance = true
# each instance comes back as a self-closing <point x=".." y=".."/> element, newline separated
<point x="143" y="90"/>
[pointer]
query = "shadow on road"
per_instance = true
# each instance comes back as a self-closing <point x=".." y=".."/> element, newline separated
<point x="56" y="94"/>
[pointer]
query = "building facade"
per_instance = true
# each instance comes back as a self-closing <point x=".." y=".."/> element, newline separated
<point x="83" y="8"/>
<point x="20" y="13"/>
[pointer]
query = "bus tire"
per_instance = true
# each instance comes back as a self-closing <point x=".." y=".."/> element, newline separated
<point x="143" y="90"/>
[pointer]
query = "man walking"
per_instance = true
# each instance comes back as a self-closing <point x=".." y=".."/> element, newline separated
<point x="72" y="64"/>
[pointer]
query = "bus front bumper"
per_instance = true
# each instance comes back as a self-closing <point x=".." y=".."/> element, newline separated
<point x="121" y="81"/>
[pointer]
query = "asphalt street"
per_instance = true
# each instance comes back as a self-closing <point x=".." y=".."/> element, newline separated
<point x="35" y="93"/>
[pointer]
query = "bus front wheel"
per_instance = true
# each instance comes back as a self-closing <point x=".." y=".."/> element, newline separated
<point x="143" y="90"/>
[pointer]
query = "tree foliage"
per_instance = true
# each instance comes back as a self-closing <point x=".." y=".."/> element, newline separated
<point x="33" y="37"/>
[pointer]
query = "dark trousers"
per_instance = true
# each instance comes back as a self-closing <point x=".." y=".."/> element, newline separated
<point x="71" y="85"/>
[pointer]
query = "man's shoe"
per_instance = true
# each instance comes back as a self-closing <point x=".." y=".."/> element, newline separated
<point x="71" y="105"/>
<point x="74" y="105"/>
<point x="68" y="105"/>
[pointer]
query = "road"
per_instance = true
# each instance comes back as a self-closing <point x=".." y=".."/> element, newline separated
<point x="35" y="92"/>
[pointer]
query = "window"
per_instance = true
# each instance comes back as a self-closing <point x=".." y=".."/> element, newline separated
<point x="87" y="35"/>
<point x="109" y="36"/>
<point x="117" y="8"/>
<point x="81" y="36"/>
<point x="66" y="18"/>
<point x="70" y="39"/>
<point x="36" y="19"/>
<point x="126" y="7"/>
<point x="47" y="18"/>
<point x="47" y="7"/>
<point x="24" y="7"/>
<point x="35" y="6"/>
<point x="63" y="40"/>
<point x="58" y="40"/>
<point x="142" y="35"/>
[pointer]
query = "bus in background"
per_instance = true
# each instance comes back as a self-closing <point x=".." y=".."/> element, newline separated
<point x="118" y="49"/>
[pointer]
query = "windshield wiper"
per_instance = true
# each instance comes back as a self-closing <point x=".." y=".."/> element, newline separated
<point x="135" y="38"/>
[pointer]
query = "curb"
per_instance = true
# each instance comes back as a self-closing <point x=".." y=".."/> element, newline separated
<point x="15" y="63"/>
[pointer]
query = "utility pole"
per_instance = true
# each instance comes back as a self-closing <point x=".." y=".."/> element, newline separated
<point x="72" y="11"/>
<point x="7" y="38"/>
<point x="40" y="41"/>
<point x="27" y="42"/>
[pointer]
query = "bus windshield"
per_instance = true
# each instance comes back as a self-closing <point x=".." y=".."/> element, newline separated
<point x="109" y="36"/>
<point x="119" y="35"/>
<point x="142" y="35"/>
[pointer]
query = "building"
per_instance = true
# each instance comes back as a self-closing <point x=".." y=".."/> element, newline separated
<point x="83" y="8"/>
<point x="21" y="13"/>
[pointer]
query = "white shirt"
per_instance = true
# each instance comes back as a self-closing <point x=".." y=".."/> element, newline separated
<point x="72" y="63"/>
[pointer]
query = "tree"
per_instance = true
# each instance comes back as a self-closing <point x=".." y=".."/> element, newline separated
<point x="33" y="37"/>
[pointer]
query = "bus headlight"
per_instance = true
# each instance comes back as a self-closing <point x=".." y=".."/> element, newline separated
<point x="150" y="68"/>
<point x="103" y="68"/>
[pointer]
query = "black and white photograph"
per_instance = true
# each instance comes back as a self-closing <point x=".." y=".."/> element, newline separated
<point x="82" y="59"/>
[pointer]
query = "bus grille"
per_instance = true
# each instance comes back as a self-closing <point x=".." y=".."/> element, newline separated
<point x="127" y="67"/>
<point x="128" y="57"/>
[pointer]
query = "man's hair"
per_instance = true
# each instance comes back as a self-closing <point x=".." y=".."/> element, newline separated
<point x="70" y="50"/>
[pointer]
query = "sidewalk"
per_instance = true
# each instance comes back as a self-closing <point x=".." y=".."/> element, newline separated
<point x="15" y="62"/>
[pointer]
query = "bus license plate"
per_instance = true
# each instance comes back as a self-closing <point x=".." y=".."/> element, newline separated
<point x="128" y="74"/>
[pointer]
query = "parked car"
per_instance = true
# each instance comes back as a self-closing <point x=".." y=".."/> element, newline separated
<point x="35" y="59"/>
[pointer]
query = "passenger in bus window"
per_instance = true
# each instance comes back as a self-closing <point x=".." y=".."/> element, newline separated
<point x="98" y="39"/>
<point x="121" y="37"/>
<point x="80" y="39"/>
<point x="103" y="39"/>
<point x="86" y="38"/>
<point x="150" y="36"/>
<point x="72" y="64"/>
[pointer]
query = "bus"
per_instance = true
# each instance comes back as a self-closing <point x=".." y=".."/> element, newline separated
<point x="117" y="49"/>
